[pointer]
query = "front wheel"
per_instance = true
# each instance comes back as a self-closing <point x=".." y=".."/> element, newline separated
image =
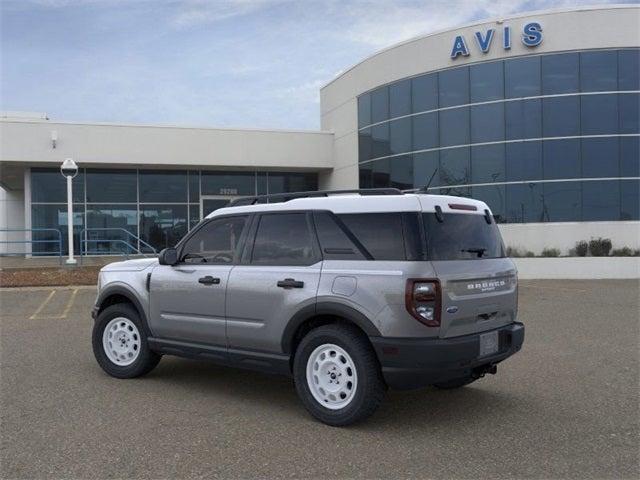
<point x="120" y="343"/>
<point x="337" y="375"/>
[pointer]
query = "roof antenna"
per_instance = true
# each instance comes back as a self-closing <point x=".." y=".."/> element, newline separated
<point x="425" y="188"/>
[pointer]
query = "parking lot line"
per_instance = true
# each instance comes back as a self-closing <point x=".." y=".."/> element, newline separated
<point x="42" y="305"/>
<point x="63" y="315"/>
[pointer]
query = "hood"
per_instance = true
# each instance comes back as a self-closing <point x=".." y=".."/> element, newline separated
<point x="130" y="265"/>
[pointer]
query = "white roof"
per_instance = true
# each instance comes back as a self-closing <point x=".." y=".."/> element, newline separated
<point x="355" y="203"/>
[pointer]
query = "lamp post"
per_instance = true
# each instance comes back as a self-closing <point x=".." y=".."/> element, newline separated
<point x="69" y="169"/>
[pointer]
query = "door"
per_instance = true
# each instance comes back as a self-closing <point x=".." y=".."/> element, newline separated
<point x="278" y="276"/>
<point x="210" y="203"/>
<point x="187" y="300"/>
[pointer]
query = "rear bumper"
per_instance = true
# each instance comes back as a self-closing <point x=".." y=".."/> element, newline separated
<point x="417" y="362"/>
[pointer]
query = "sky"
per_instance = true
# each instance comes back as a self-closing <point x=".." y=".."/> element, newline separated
<point x="218" y="63"/>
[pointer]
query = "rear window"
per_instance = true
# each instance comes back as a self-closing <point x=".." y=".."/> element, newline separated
<point x="462" y="236"/>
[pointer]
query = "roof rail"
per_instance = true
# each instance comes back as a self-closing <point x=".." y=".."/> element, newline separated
<point x="285" y="197"/>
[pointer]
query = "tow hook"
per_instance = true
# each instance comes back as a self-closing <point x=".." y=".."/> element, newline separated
<point x="480" y="372"/>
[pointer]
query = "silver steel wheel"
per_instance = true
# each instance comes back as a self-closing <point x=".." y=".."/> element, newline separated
<point x="332" y="376"/>
<point x="121" y="341"/>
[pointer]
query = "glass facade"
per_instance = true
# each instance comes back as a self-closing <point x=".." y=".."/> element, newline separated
<point x="544" y="138"/>
<point x="115" y="207"/>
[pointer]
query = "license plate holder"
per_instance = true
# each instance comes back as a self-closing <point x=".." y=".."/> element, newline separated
<point x="489" y="344"/>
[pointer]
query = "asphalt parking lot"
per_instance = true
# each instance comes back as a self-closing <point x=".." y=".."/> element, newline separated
<point x="565" y="407"/>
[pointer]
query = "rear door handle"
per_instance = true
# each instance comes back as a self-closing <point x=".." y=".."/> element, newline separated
<point x="209" y="280"/>
<point x="290" y="283"/>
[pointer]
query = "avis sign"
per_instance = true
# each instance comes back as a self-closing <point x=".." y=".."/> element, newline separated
<point x="531" y="36"/>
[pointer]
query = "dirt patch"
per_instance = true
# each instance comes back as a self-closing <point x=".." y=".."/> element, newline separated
<point x="48" y="276"/>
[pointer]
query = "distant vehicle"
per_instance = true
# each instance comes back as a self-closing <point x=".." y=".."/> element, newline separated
<point x="349" y="292"/>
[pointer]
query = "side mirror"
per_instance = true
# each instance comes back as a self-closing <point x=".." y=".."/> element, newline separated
<point x="168" y="256"/>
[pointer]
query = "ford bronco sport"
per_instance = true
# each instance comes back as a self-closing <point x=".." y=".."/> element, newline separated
<point x="349" y="292"/>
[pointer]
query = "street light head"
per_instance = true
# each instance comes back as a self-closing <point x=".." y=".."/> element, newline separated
<point x="69" y="168"/>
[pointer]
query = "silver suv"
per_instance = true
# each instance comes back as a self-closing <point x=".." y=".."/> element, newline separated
<point x="348" y="292"/>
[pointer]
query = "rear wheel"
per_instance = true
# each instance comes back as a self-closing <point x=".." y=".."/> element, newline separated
<point x="455" y="383"/>
<point x="120" y="343"/>
<point x="337" y="375"/>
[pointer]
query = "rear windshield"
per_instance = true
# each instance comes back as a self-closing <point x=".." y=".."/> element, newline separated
<point x="462" y="236"/>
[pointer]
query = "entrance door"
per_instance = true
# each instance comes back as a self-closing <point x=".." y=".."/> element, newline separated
<point x="209" y="203"/>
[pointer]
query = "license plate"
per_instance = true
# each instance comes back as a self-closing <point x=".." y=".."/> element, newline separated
<point x="488" y="343"/>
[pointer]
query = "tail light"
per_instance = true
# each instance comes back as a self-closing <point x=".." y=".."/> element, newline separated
<point x="422" y="299"/>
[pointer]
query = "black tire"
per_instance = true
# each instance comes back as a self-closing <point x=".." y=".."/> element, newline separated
<point x="455" y="383"/>
<point x="370" y="385"/>
<point x="147" y="359"/>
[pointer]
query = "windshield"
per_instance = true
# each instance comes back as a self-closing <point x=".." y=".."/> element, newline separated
<point x="462" y="236"/>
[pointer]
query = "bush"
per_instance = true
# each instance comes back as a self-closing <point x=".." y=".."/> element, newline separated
<point x="550" y="252"/>
<point x="600" y="247"/>
<point x="581" y="248"/>
<point x="516" y="252"/>
<point x="624" y="252"/>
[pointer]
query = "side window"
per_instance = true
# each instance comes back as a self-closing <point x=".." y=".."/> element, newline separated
<point x="283" y="239"/>
<point x="334" y="241"/>
<point x="215" y="243"/>
<point x="380" y="233"/>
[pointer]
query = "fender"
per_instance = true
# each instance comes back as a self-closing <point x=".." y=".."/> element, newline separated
<point x="127" y="293"/>
<point x="326" y="308"/>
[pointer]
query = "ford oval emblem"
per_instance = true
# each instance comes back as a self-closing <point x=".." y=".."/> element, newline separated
<point x="452" y="309"/>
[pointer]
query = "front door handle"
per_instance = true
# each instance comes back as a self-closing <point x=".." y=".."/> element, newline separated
<point x="290" y="283"/>
<point x="209" y="280"/>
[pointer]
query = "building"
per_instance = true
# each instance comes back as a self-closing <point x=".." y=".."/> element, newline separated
<point x="536" y="114"/>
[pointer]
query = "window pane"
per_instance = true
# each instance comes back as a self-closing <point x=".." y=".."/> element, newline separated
<point x="400" y="98"/>
<point x="522" y="77"/>
<point x="560" y="73"/>
<point x="364" y="110"/>
<point x="53" y="217"/>
<point x="365" y="145"/>
<point x="561" y="159"/>
<point x="228" y="183"/>
<point x="112" y="186"/>
<point x="600" y="157"/>
<point x="630" y="200"/>
<point x="216" y="243"/>
<point x="629" y="70"/>
<point x="524" y="203"/>
<point x="402" y="172"/>
<point x="599" y="71"/>
<point x="487" y="123"/>
<point x="454" y="166"/>
<point x="424" y="92"/>
<point x="492" y="195"/>
<point x="194" y="215"/>
<point x="400" y="135"/>
<point x="629" y="113"/>
<point x="380" y="140"/>
<point x="453" y="87"/>
<point x="487" y="164"/>
<point x="283" y="239"/>
<point x="163" y="226"/>
<point x="425" y="131"/>
<point x="523" y="161"/>
<point x="381" y="174"/>
<point x="599" y="114"/>
<point x="487" y="81"/>
<point x="454" y="127"/>
<point x="334" y="242"/>
<point x="424" y="166"/>
<point x="379" y="233"/>
<point x="194" y="186"/>
<point x="292" y="182"/>
<point x="455" y="191"/>
<point x="48" y="185"/>
<point x="364" y="172"/>
<point x="562" y="201"/>
<point x="630" y="157"/>
<point x="163" y="186"/>
<point x="261" y="183"/>
<point x="110" y="223"/>
<point x="380" y="105"/>
<point x="561" y="116"/>
<point x="600" y="201"/>
<point x="523" y="119"/>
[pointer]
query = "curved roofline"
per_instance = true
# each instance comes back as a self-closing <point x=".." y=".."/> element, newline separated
<point x="481" y="22"/>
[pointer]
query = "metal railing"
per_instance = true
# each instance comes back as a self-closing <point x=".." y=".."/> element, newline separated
<point x="131" y="243"/>
<point x="31" y="241"/>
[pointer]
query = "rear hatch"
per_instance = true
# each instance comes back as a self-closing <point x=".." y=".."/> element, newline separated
<point x="478" y="283"/>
